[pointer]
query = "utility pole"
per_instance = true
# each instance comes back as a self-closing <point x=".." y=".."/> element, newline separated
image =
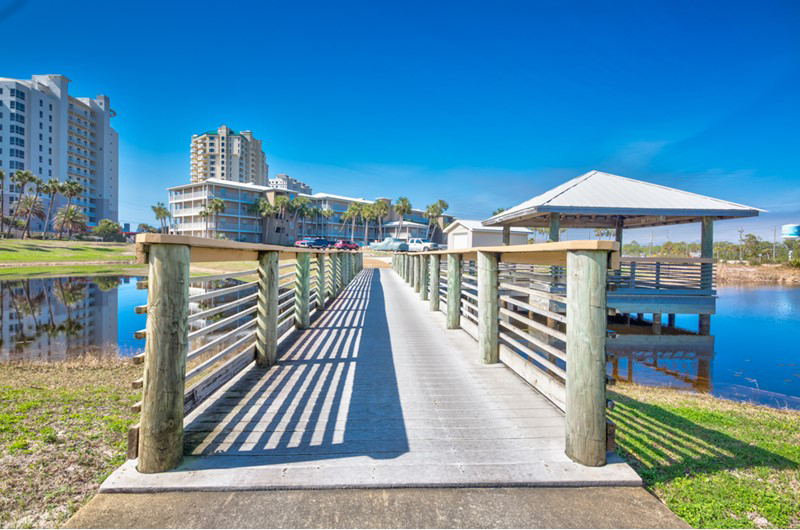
<point x="774" y="240"/>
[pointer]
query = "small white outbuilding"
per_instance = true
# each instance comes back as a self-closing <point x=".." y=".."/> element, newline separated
<point x="465" y="233"/>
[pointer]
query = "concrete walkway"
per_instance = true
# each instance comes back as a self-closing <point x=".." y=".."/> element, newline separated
<point x="376" y="394"/>
<point x="393" y="508"/>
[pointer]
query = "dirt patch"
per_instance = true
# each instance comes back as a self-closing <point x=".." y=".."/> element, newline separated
<point x="732" y="274"/>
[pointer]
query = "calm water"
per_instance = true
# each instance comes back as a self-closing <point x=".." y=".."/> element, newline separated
<point x="752" y="355"/>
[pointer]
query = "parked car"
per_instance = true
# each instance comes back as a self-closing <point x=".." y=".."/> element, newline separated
<point x="390" y="244"/>
<point x="306" y="242"/>
<point x="345" y="245"/>
<point x="320" y="242"/>
<point x="416" y="244"/>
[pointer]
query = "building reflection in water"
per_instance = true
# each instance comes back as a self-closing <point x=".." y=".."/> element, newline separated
<point x="52" y="319"/>
<point x="675" y="358"/>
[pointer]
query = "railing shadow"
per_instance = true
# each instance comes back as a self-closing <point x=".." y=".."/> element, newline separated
<point x="663" y="446"/>
<point x="333" y="394"/>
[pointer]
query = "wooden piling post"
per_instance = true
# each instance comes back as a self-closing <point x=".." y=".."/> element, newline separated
<point x="302" y="278"/>
<point x="424" y="277"/>
<point x="433" y="295"/>
<point x="267" y="309"/>
<point x="657" y="323"/>
<point x="487" y="307"/>
<point x="706" y="269"/>
<point x="671" y="320"/>
<point x="320" y="281"/>
<point x="506" y="235"/>
<point x="453" y="291"/>
<point x="586" y="357"/>
<point x="337" y="273"/>
<point x="161" y="424"/>
<point x="417" y="273"/>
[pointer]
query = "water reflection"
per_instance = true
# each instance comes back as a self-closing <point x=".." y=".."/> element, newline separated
<point x="52" y="319"/>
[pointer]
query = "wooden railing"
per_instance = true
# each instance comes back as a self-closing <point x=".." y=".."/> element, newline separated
<point x="693" y="275"/>
<point x="539" y="309"/>
<point x="203" y="330"/>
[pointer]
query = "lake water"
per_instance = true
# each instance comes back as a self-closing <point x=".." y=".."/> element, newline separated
<point x="753" y="353"/>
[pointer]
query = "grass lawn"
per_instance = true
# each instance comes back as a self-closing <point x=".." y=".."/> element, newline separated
<point x="123" y="269"/>
<point x="31" y="250"/>
<point x="62" y="431"/>
<point x="715" y="463"/>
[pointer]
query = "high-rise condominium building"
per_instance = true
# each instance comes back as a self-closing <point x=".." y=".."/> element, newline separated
<point x="227" y="155"/>
<point x="285" y="182"/>
<point x="46" y="131"/>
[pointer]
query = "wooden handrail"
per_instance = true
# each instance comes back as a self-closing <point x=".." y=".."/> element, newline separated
<point x="203" y="249"/>
<point x="678" y="261"/>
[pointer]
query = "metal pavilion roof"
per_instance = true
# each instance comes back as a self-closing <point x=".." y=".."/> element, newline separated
<point x="597" y="200"/>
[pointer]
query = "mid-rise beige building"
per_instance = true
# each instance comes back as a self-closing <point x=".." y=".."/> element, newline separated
<point x="225" y="154"/>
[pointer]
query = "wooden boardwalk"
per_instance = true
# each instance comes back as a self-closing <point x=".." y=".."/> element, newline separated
<point x="376" y="393"/>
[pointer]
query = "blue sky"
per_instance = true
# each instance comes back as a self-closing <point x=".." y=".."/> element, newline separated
<point x="483" y="104"/>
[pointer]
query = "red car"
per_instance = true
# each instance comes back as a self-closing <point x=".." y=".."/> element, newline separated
<point x="345" y="245"/>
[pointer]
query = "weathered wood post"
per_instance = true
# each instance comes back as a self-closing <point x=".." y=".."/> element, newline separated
<point x="586" y="356"/>
<point x="320" y="281"/>
<point x="657" y="323"/>
<point x="302" y="282"/>
<point x="433" y="295"/>
<point x="487" y="307"/>
<point x="417" y="273"/>
<point x="424" y="276"/>
<point x="161" y="425"/>
<point x="506" y="235"/>
<point x="267" y="309"/>
<point x="337" y="273"/>
<point x="453" y="291"/>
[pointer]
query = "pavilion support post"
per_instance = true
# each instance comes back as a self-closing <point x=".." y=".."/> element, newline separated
<point x="487" y="308"/>
<point x="555" y="227"/>
<point x="640" y="317"/>
<point x="586" y="351"/>
<point x="267" y="309"/>
<point x="671" y="320"/>
<point x="657" y="323"/>
<point x="302" y="277"/>
<point x="160" y="445"/>
<point x="706" y="269"/>
<point x="320" y="281"/>
<point x="618" y="231"/>
<point x="506" y="235"/>
<point x="425" y="276"/>
<point x="453" y="291"/>
<point x="433" y="295"/>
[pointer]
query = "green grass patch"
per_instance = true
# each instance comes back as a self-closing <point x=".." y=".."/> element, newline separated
<point x="11" y="273"/>
<point x="62" y="431"/>
<point x="34" y="251"/>
<point x="715" y="463"/>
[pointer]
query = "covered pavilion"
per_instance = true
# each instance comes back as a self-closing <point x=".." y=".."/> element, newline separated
<point x="602" y="200"/>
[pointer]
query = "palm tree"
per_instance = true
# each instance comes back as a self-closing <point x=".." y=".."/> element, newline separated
<point x="21" y="179"/>
<point x="326" y="214"/>
<point x="283" y="206"/>
<point x="30" y="206"/>
<point x="37" y="183"/>
<point x="70" y="189"/>
<point x="352" y="214"/>
<point x="52" y="187"/>
<point x="402" y="207"/>
<point x="436" y="210"/>
<point x="299" y="207"/>
<point x="381" y="210"/>
<point x="266" y="210"/>
<point x="204" y="215"/>
<point x="214" y="208"/>
<point x="69" y="218"/>
<point x="499" y="210"/>
<point x="367" y="214"/>
<point x="162" y="214"/>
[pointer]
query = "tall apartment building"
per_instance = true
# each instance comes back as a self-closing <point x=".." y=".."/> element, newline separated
<point x="239" y="223"/>
<point x="285" y="182"/>
<point x="46" y="131"/>
<point x="225" y="154"/>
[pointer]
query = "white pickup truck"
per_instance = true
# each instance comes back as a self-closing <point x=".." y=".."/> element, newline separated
<point x="419" y="245"/>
